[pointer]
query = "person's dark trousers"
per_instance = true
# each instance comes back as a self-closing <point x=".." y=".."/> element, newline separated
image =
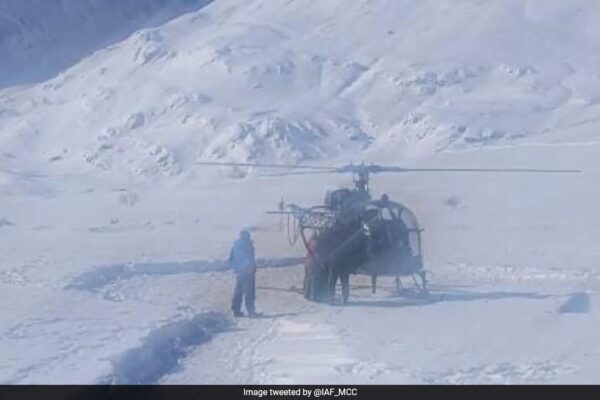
<point x="344" y="278"/>
<point x="244" y="290"/>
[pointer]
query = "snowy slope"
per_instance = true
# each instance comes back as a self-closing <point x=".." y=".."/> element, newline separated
<point x="112" y="240"/>
<point x="299" y="80"/>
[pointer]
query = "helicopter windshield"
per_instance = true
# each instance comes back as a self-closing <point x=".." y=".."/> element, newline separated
<point x="392" y="225"/>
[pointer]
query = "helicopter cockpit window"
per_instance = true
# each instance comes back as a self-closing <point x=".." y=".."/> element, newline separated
<point x="392" y="226"/>
<point x="412" y="237"/>
<point x="388" y="214"/>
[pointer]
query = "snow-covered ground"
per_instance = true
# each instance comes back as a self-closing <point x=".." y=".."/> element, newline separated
<point x="112" y="240"/>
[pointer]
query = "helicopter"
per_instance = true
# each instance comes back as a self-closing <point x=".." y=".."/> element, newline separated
<point x="355" y="233"/>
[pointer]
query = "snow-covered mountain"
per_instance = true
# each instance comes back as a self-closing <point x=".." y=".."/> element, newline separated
<point x="288" y="81"/>
<point x="113" y="239"/>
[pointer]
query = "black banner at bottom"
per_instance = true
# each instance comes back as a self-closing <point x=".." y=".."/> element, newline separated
<point x="259" y="392"/>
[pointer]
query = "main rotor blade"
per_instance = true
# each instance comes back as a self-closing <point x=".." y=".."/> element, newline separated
<point x="376" y="168"/>
<point x="298" y="173"/>
<point x="517" y="170"/>
<point x="233" y="164"/>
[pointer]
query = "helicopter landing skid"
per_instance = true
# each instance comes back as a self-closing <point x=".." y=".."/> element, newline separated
<point x="419" y="281"/>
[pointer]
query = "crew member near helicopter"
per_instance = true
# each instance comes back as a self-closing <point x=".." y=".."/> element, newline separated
<point x="310" y="267"/>
<point x="344" y="256"/>
<point x="243" y="262"/>
<point x="316" y="276"/>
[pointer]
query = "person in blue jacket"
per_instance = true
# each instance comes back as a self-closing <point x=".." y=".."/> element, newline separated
<point x="243" y="262"/>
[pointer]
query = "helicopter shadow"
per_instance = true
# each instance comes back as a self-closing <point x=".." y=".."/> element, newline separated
<point x="416" y="299"/>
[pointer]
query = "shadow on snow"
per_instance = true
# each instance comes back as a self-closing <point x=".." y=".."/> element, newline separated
<point x="414" y="299"/>
<point x="102" y="276"/>
<point x="162" y="349"/>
